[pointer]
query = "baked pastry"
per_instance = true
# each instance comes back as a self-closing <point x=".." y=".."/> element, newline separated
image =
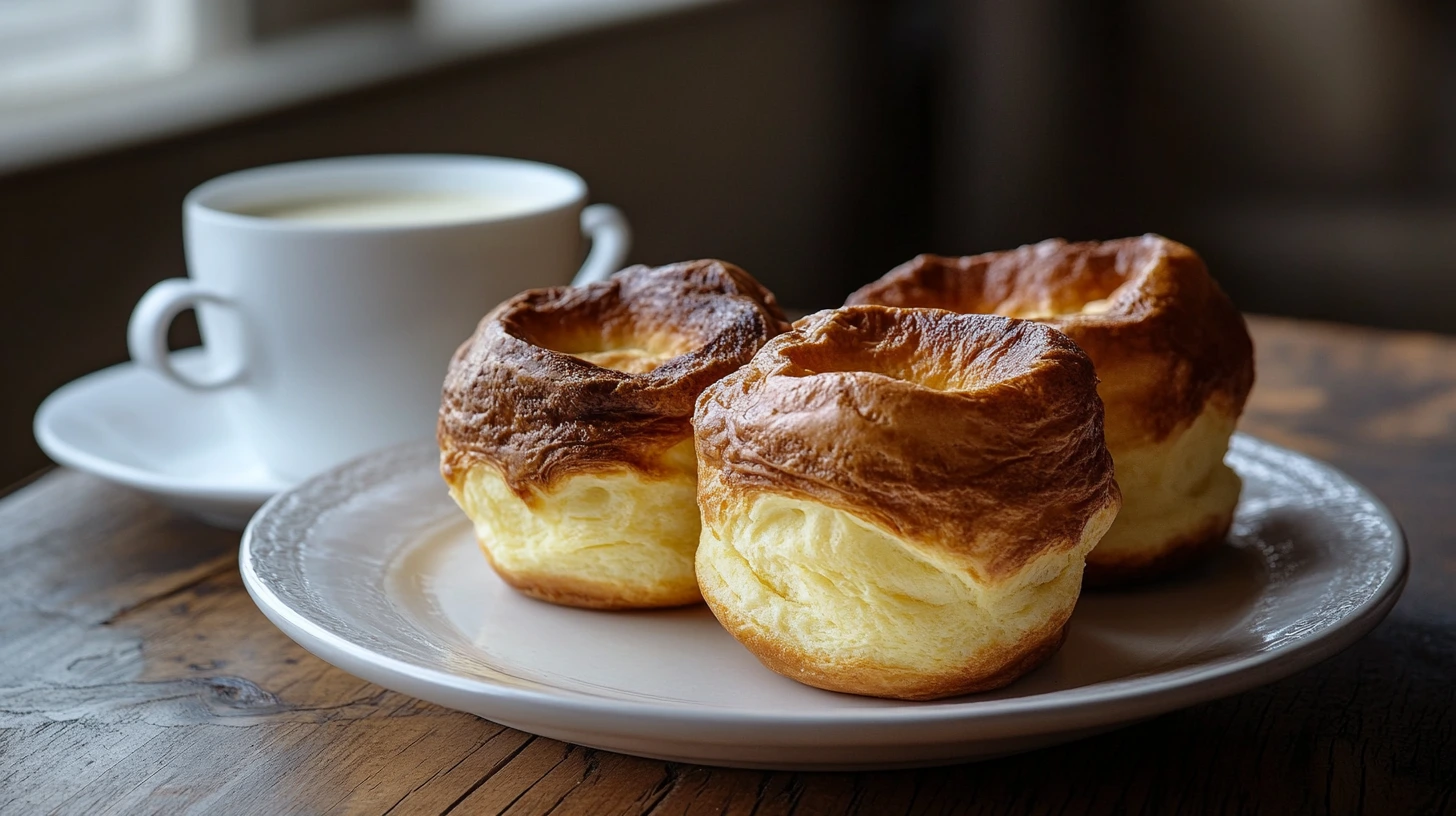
<point x="565" y="428"/>
<point x="899" y="502"/>
<point x="1175" y="363"/>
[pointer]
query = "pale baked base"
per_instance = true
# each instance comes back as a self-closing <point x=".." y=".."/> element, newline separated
<point x="823" y="597"/>
<point x="610" y="540"/>
<point x="1178" y="498"/>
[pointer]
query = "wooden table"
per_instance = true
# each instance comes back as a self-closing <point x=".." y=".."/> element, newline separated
<point x="137" y="676"/>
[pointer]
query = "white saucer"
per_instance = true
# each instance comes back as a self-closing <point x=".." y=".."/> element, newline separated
<point x="136" y="428"/>
<point x="372" y="568"/>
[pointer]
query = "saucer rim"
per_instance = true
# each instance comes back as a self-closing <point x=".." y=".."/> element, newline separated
<point x="66" y="453"/>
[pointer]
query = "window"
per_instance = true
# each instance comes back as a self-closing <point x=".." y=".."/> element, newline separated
<point x="59" y="49"/>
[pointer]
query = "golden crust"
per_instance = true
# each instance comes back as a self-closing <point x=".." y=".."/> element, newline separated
<point x="1167" y="343"/>
<point x="518" y="398"/>
<point x="1002" y="461"/>
<point x="1164" y="338"/>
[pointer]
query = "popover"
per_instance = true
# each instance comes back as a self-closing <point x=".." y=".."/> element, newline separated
<point x="565" y="428"/>
<point x="899" y="502"/>
<point x="1175" y="362"/>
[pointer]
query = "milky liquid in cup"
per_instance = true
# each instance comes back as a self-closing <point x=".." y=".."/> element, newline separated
<point x="386" y="209"/>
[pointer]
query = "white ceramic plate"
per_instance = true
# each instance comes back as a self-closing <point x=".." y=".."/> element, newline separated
<point x="373" y="569"/>
<point x="134" y="427"/>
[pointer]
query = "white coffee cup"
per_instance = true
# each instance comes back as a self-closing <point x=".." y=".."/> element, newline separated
<point x="328" y="335"/>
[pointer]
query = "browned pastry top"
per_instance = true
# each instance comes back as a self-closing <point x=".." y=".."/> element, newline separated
<point x="1164" y="337"/>
<point x="976" y="435"/>
<point x="517" y="398"/>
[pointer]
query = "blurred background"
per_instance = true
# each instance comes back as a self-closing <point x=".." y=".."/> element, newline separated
<point x="1306" y="147"/>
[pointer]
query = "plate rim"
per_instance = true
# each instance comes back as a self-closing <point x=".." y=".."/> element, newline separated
<point x="65" y="453"/>
<point x="1100" y="703"/>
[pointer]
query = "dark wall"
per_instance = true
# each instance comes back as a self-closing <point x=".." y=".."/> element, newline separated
<point x="1306" y="148"/>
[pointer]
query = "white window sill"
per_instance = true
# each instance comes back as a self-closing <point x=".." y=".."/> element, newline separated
<point x="287" y="72"/>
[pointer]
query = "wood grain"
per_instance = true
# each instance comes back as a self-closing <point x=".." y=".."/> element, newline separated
<point x="136" y="676"/>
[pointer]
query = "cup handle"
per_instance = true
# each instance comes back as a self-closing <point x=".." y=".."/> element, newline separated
<point x="146" y="333"/>
<point x="611" y="239"/>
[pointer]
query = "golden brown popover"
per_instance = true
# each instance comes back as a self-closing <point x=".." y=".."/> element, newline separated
<point x="1175" y="363"/>
<point x="566" y="433"/>
<point x="899" y="502"/>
